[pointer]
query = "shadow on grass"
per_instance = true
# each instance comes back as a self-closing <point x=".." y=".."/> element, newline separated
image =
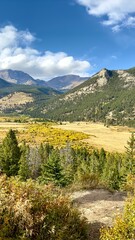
<point x="94" y="230"/>
<point x="98" y="195"/>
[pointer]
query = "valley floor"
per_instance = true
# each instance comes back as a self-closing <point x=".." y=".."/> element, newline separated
<point x="112" y="138"/>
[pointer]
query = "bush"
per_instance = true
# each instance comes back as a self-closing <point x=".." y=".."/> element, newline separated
<point x="129" y="184"/>
<point x="32" y="211"/>
<point x="86" y="181"/>
<point x="124" y="227"/>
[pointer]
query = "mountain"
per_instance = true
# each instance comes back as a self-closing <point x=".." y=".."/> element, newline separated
<point x="19" y="77"/>
<point x="64" y="83"/>
<point x="108" y="96"/>
<point x="14" y="76"/>
<point x="3" y="83"/>
<point x="23" y="99"/>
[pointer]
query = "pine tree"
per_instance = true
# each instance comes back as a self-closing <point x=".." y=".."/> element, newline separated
<point x="112" y="171"/>
<point x="102" y="160"/>
<point x="24" y="171"/>
<point x="94" y="162"/>
<point x="52" y="171"/>
<point x="130" y="152"/>
<point x="10" y="154"/>
<point x="45" y="151"/>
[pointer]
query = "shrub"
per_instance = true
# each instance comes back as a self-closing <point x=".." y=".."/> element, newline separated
<point x="89" y="181"/>
<point x="85" y="178"/>
<point x="129" y="184"/>
<point x="124" y="226"/>
<point x="32" y="211"/>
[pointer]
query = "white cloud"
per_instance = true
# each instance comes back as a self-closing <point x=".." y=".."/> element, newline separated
<point x="116" y="28"/>
<point x="119" y="13"/>
<point x="130" y="22"/>
<point x="17" y="53"/>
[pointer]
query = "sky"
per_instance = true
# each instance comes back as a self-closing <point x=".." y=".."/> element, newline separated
<point x="49" y="38"/>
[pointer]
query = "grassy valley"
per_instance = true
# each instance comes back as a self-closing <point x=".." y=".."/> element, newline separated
<point x="93" y="135"/>
<point x="113" y="138"/>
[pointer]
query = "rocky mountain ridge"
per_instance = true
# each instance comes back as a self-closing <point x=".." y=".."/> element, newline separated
<point x="107" y="96"/>
<point x="101" y="79"/>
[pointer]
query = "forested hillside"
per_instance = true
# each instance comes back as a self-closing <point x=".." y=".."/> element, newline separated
<point x="108" y="96"/>
<point x="35" y="96"/>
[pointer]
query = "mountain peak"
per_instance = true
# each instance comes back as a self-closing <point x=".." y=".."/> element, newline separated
<point x="103" y="72"/>
<point x="103" y="77"/>
<point x="66" y="82"/>
<point x="15" y="76"/>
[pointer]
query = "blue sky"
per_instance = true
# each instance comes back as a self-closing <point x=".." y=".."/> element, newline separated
<point x="48" y="38"/>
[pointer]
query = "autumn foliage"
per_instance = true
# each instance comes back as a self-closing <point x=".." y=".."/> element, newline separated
<point x="32" y="211"/>
<point x="124" y="226"/>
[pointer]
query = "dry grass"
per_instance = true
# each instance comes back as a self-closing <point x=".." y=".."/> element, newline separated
<point x="5" y="126"/>
<point x="112" y="138"/>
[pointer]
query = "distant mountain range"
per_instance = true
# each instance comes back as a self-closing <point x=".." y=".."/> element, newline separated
<point x="19" y="77"/>
<point x="108" y="96"/>
<point x="22" y="94"/>
<point x="67" y="82"/>
<point x="61" y="83"/>
<point x="23" y="99"/>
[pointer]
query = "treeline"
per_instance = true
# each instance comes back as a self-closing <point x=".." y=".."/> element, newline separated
<point x="78" y="167"/>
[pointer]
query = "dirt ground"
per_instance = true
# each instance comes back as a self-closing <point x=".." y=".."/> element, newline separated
<point x="100" y="207"/>
<point x="112" y="139"/>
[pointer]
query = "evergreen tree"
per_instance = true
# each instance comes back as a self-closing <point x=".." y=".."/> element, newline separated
<point x="102" y="160"/>
<point x="112" y="171"/>
<point x="130" y="152"/>
<point x="24" y="171"/>
<point x="45" y="151"/>
<point x="67" y="162"/>
<point x="52" y="171"/>
<point x="78" y="155"/>
<point x="94" y="162"/>
<point x="10" y="154"/>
